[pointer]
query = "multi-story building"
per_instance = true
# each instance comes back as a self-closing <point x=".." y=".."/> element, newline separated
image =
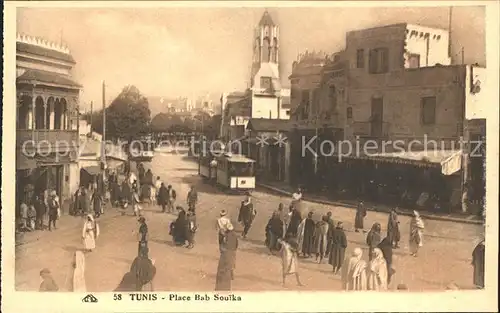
<point x="47" y="139"/>
<point x="392" y="88"/>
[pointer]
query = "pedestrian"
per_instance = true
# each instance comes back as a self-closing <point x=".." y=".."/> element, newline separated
<point x="144" y="270"/>
<point x="338" y="246"/>
<point x="360" y="216"/>
<point x="289" y="259"/>
<point x="373" y="238"/>
<point x="24" y="216"/>
<point x="478" y="262"/>
<point x="321" y="238"/>
<point x="299" y="235"/>
<point x="97" y="202"/>
<point x="295" y="219"/>
<point x="331" y="228"/>
<point x="283" y="216"/>
<point x="354" y="272"/>
<point x="78" y="273"/>
<point x="416" y="233"/>
<point x="246" y="215"/>
<point x="192" y="199"/>
<point x="274" y="231"/>
<point x="308" y="238"/>
<point x="114" y="192"/>
<point x="227" y="260"/>
<point x="143" y="235"/>
<point x="179" y="228"/>
<point x="192" y="227"/>
<point x="386" y="247"/>
<point x="172" y="195"/>
<point x="53" y="210"/>
<point x="158" y="185"/>
<point x="136" y="204"/>
<point x="377" y="275"/>
<point x="48" y="283"/>
<point x="90" y="233"/>
<point x="222" y="225"/>
<point x="393" y="228"/>
<point x="85" y="201"/>
<point x="163" y="197"/>
<point x="31" y="225"/>
<point x="41" y="210"/>
<point x="126" y="192"/>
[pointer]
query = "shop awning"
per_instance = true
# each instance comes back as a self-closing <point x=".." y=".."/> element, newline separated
<point x="24" y="162"/>
<point x="450" y="161"/>
<point x="92" y="170"/>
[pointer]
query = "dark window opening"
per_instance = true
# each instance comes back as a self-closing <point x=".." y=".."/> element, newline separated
<point x="428" y="110"/>
<point x="379" y="61"/>
<point x="360" y="58"/>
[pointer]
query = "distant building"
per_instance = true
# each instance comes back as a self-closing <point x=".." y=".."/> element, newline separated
<point x="391" y="83"/>
<point x="47" y="139"/>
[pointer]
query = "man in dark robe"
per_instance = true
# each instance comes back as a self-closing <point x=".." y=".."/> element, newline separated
<point x="373" y="239"/>
<point x="114" y="192"/>
<point x="142" y="172"/>
<point x="331" y="228"/>
<point x="227" y="261"/>
<point x="309" y="230"/>
<point x="97" y="203"/>
<point x="293" y="225"/>
<point x="393" y="228"/>
<point x="143" y="236"/>
<point x="163" y="197"/>
<point x="337" y="249"/>
<point x="360" y="217"/>
<point x="126" y="192"/>
<point x="179" y="228"/>
<point x="478" y="261"/>
<point x="274" y="231"/>
<point x="192" y="199"/>
<point x="246" y="215"/>
<point x="386" y="247"/>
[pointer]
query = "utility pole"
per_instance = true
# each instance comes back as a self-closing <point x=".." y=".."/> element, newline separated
<point x="463" y="56"/>
<point x="103" y="142"/>
<point x="91" y="114"/>
<point x="449" y="31"/>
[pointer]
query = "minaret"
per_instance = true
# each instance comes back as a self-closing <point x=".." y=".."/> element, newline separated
<point x="266" y="44"/>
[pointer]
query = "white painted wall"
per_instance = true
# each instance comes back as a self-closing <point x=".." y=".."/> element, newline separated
<point x="476" y="104"/>
<point x="416" y="42"/>
<point x="264" y="107"/>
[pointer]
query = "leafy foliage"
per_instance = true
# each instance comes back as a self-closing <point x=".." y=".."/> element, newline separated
<point x="127" y="117"/>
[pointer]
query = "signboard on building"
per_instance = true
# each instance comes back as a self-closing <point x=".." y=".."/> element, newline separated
<point x="239" y="120"/>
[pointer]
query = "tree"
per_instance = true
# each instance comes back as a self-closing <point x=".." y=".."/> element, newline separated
<point x="128" y="116"/>
<point x="167" y="122"/>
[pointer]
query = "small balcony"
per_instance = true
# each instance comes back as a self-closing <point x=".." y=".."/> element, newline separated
<point x="40" y="139"/>
<point x="370" y="129"/>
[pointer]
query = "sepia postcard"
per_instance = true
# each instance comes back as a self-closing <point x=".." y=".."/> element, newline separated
<point x="232" y="156"/>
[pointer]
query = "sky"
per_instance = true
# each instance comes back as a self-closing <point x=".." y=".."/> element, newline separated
<point x="175" y="52"/>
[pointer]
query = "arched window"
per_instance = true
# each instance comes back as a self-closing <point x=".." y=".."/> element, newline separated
<point x="23" y="119"/>
<point x="266" y="52"/>
<point x="57" y="114"/>
<point x="49" y="111"/>
<point x="39" y="114"/>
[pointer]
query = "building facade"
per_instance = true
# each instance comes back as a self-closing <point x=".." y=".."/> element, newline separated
<point x="394" y="91"/>
<point x="47" y="139"/>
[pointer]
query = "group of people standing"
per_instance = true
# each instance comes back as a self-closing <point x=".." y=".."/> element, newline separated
<point x="39" y="208"/>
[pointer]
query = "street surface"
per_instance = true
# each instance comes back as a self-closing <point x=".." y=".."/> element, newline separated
<point x="444" y="258"/>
